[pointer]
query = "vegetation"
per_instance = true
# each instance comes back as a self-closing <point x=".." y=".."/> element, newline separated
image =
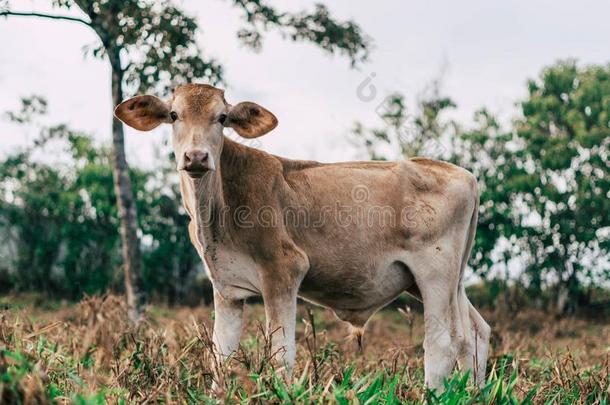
<point x="59" y="221"/>
<point x="89" y="354"/>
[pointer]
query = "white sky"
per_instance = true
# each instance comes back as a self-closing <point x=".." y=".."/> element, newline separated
<point x="488" y="50"/>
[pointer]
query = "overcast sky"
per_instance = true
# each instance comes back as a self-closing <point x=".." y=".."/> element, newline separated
<point x="484" y="50"/>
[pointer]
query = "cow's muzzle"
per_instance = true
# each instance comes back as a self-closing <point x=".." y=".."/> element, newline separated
<point x="197" y="162"/>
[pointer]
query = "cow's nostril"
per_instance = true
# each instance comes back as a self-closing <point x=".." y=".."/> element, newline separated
<point x="195" y="158"/>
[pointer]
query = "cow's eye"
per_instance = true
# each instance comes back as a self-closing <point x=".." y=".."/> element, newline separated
<point x="222" y="118"/>
<point x="173" y="115"/>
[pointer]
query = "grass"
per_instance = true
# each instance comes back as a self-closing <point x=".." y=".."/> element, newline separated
<point x="88" y="354"/>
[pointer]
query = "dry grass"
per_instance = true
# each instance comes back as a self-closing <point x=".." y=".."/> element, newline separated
<point x="88" y="354"/>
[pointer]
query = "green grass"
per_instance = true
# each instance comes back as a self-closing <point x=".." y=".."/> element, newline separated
<point x="88" y="354"/>
<point x="380" y="387"/>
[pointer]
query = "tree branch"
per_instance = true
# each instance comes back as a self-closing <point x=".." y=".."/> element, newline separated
<point x="51" y="16"/>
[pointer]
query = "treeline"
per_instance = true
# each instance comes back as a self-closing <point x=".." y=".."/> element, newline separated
<point x="59" y="228"/>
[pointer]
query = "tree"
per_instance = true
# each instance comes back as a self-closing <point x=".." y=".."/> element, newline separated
<point x="495" y="157"/>
<point x="150" y="46"/>
<point x="565" y="126"/>
<point x="404" y="134"/>
<point x="59" y="221"/>
<point x="544" y="184"/>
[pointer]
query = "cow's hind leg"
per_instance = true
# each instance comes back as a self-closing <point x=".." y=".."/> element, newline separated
<point x="474" y="355"/>
<point x="437" y="279"/>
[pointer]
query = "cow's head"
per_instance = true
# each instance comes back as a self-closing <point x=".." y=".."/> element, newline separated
<point x="198" y="113"/>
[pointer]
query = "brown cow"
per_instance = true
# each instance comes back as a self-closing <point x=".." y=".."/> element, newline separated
<point x="347" y="236"/>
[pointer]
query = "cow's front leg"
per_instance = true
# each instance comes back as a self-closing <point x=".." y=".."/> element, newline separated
<point x="280" y="282"/>
<point x="280" y="312"/>
<point x="228" y="318"/>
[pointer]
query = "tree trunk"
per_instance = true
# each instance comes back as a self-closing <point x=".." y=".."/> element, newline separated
<point x="567" y="296"/>
<point x="132" y="265"/>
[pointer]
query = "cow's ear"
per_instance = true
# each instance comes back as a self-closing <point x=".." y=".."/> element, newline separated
<point x="250" y="120"/>
<point x="143" y="112"/>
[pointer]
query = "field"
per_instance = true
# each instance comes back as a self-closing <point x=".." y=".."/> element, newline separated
<point x="87" y="354"/>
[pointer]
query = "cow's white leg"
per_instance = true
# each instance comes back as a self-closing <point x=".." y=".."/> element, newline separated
<point x="228" y="318"/>
<point x="476" y="357"/>
<point x="280" y="312"/>
<point x="467" y="354"/>
<point x="280" y="285"/>
<point x="440" y="347"/>
<point x="473" y="355"/>
<point x="437" y="278"/>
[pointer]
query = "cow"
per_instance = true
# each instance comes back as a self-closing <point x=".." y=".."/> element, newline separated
<point x="348" y="236"/>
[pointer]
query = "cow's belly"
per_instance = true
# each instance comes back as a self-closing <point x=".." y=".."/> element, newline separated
<point x="355" y="288"/>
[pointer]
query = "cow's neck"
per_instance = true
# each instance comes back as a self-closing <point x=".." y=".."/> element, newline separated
<point x="207" y="197"/>
<point x="208" y="206"/>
